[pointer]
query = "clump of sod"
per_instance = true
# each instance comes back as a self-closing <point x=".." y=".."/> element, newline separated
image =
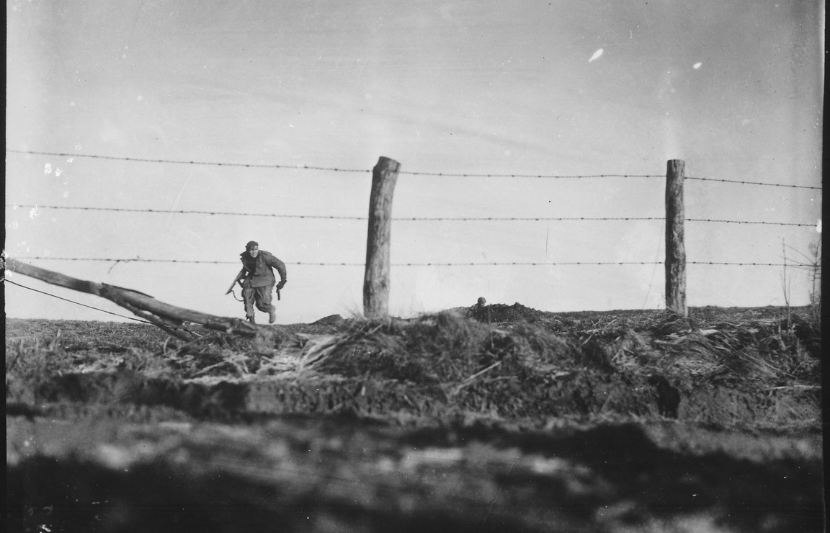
<point x="448" y="349"/>
<point x="751" y="351"/>
<point x="432" y="349"/>
<point x="222" y="354"/>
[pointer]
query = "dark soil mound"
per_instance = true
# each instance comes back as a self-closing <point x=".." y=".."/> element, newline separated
<point x="505" y="313"/>
<point x="331" y="320"/>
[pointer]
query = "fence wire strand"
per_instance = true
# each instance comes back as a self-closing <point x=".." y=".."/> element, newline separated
<point x="74" y="302"/>
<point x="399" y="219"/>
<point x="411" y="173"/>
<point x="332" y="169"/>
<point x="185" y="162"/>
<point x="755" y="183"/>
<point x="749" y="222"/>
<point x="183" y="212"/>
<point x="539" y="176"/>
<point x="435" y="264"/>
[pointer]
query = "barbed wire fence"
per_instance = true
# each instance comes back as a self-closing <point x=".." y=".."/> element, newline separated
<point x="396" y="219"/>
<point x="787" y="263"/>
<point x="411" y="173"/>
<point x="435" y="264"/>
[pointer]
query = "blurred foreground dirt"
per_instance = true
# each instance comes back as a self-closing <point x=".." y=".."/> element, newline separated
<point x="305" y="473"/>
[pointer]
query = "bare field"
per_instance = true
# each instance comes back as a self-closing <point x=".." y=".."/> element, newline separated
<point x="511" y="420"/>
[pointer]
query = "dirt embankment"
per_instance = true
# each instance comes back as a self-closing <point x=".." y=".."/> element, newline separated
<point x="726" y="373"/>
<point x="579" y="395"/>
<point x="520" y="421"/>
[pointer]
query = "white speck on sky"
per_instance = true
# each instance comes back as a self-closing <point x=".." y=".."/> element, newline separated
<point x="486" y="87"/>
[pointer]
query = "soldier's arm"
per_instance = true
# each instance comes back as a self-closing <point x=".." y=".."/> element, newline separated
<point x="238" y="279"/>
<point x="280" y="266"/>
<point x="241" y="276"/>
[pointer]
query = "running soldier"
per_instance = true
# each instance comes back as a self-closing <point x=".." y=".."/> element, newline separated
<point x="256" y="279"/>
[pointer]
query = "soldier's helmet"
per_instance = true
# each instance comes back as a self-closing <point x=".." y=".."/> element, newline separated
<point x="482" y="302"/>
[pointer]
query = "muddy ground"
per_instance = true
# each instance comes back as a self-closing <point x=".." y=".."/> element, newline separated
<point x="515" y="420"/>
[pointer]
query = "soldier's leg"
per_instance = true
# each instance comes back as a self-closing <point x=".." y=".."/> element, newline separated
<point x="263" y="302"/>
<point x="248" y="296"/>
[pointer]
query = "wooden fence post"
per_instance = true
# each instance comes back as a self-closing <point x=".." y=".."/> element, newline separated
<point x="675" y="246"/>
<point x="376" y="278"/>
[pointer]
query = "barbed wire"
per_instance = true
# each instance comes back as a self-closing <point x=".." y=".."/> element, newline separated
<point x="182" y="261"/>
<point x="182" y="212"/>
<point x="74" y="302"/>
<point x="540" y="176"/>
<point x="524" y="219"/>
<point x="748" y="222"/>
<point x="400" y="219"/>
<point x="517" y="263"/>
<point x="795" y="265"/>
<point x="335" y="217"/>
<point x="184" y="162"/>
<point x="411" y="173"/>
<point x="592" y="263"/>
<point x="436" y="264"/>
<point x="332" y="169"/>
<point x="755" y="183"/>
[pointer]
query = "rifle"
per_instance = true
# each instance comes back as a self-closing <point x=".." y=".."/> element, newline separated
<point x="233" y="284"/>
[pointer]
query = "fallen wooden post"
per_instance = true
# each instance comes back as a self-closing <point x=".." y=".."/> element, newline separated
<point x="167" y="317"/>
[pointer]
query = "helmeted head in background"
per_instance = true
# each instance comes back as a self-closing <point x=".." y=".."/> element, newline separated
<point x="252" y="248"/>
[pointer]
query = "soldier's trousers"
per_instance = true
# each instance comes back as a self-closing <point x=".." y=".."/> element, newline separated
<point x="259" y="297"/>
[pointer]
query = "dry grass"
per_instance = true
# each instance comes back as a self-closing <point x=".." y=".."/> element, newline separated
<point x="432" y="349"/>
<point x="750" y="350"/>
<point x="748" y="345"/>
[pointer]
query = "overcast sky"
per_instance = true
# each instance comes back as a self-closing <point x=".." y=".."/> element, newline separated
<point x="734" y="88"/>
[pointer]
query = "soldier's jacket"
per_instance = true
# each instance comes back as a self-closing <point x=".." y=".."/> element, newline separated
<point x="258" y="271"/>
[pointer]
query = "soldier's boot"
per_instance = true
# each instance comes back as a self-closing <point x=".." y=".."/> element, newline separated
<point x="251" y="319"/>
<point x="272" y="315"/>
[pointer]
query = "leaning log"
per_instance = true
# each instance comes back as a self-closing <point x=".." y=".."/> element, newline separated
<point x="167" y="317"/>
